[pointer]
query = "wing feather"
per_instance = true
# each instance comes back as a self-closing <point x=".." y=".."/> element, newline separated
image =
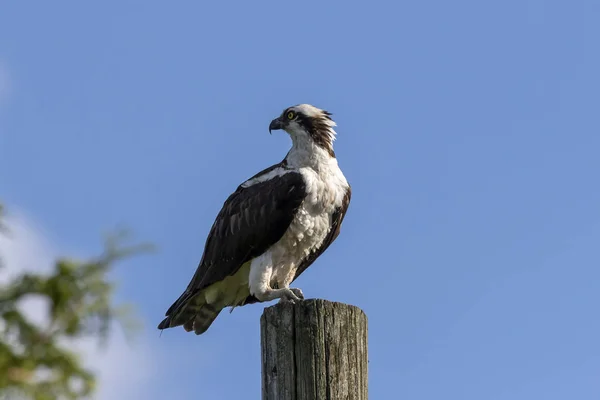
<point x="251" y="220"/>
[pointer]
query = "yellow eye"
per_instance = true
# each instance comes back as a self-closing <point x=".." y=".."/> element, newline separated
<point x="291" y="115"/>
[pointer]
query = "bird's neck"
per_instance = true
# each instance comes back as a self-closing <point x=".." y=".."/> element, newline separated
<point x="306" y="153"/>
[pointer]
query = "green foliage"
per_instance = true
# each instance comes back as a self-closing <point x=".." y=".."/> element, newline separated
<point x="37" y="361"/>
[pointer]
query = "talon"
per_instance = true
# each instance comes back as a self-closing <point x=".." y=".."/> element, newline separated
<point x="298" y="293"/>
<point x="291" y="295"/>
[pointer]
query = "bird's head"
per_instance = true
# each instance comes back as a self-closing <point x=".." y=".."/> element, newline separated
<point x="307" y="124"/>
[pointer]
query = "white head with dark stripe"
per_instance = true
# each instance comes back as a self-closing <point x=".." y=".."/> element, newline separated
<point x="307" y="124"/>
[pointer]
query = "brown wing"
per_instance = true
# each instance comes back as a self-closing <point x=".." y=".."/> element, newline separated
<point x="251" y="220"/>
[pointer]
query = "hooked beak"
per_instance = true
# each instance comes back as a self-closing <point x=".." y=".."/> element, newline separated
<point x="275" y="125"/>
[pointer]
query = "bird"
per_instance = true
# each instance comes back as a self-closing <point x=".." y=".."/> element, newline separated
<point x="271" y="228"/>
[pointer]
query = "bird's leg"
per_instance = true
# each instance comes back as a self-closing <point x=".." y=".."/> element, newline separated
<point x="287" y="280"/>
<point x="261" y="273"/>
<point x="264" y="292"/>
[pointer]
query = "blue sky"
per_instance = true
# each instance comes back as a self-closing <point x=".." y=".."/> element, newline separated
<point x="468" y="130"/>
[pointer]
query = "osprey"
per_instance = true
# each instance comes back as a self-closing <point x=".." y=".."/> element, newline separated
<point x="272" y="228"/>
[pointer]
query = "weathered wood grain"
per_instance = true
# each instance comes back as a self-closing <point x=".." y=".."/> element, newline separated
<point x="315" y="349"/>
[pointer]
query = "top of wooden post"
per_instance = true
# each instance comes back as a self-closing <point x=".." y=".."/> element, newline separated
<point x="314" y="349"/>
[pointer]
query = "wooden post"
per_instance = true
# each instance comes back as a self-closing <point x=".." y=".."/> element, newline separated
<point x="312" y="350"/>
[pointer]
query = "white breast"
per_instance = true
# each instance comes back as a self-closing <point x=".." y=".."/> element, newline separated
<point x="325" y="191"/>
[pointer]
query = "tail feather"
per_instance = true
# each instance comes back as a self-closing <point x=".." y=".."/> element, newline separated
<point x="192" y="312"/>
<point x="203" y="319"/>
